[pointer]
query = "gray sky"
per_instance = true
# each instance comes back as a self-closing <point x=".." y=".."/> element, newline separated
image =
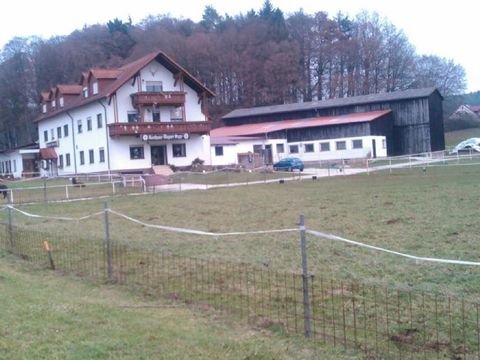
<point x="440" y="28"/>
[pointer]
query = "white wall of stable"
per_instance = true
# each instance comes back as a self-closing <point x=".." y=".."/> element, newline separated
<point x="230" y="152"/>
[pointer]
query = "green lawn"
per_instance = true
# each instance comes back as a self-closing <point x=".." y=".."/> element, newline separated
<point x="432" y="214"/>
<point x="45" y="316"/>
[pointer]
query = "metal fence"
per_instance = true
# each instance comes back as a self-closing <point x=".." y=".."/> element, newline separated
<point x="377" y="322"/>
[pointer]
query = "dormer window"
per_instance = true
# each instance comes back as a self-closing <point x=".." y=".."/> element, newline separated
<point x="62" y="102"/>
<point x="44" y="108"/>
<point x="54" y="104"/>
<point x="154" y="86"/>
<point x="85" y="92"/>
<point x="95" y="88"/>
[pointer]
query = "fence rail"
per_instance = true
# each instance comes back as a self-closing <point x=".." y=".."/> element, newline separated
<point x="373" y="320"/>
<point x="59" y="189"/>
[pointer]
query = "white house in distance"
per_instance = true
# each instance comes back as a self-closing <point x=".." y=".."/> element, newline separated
<point x="129" y="119"/>
<point x="268" y="142"/>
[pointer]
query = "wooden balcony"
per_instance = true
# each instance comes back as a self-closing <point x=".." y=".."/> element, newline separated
<point x="159" y="128"/>
<point x="145" y="98"/>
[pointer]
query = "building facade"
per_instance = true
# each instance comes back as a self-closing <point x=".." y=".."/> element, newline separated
<point x="149" y="112"/>
<point x="324" y="138"/>
<point x="415" y="123"/>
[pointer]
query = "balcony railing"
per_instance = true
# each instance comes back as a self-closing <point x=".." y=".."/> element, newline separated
<point x="157" y="128"/>
<point x="173" y="98"/>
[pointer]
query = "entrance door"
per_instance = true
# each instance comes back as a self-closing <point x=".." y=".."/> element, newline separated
<point x="374" y="149"/>
<point x="159" y="155"/>
<point x="268" y="155"/>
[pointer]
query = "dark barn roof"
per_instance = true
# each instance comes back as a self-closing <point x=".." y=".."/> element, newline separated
<point x="331" y="103"/>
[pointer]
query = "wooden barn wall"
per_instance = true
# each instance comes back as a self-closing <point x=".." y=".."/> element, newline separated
<point x="328" y="132"/>
<point x="417" y="123"/>
<point x="437" y="131"/>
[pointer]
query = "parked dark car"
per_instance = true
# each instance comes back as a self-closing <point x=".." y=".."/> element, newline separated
<point x="289" y="164"/>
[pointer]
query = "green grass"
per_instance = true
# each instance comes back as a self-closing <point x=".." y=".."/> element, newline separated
<point x="228" y="177"/>
<point x="49" y="317"/>
<point x="432" y="214"/>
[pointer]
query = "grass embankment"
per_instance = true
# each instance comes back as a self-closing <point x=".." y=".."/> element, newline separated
<point x="452" y="138"/>
<point x="432" y="214"/>
<point x="49" y="317"/>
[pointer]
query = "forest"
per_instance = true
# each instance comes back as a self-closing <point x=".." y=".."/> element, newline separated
<point x="261" y="57"/>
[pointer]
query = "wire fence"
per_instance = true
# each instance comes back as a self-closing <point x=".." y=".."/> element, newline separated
<point x="374" y="320"/>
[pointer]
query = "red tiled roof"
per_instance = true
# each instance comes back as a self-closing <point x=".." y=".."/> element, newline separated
<point x="105" y="73"/>
<point x="48" y="153"/>
<point x="269" y="127"/>
<point x="125" y="73"/>
<point x="69" y="89"/>
<point x="44" y="96"/>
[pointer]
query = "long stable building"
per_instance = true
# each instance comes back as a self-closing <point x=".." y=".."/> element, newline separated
<point x="146" y="113"/>
<point x="397" y="123"/>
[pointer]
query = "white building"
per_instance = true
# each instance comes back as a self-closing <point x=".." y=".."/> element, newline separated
<point x="269" y="142"/>
<point x="19" y="162"/>
<point x="146" y="113"/>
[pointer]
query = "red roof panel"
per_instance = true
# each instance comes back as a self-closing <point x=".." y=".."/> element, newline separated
<point x="269" y="127"/>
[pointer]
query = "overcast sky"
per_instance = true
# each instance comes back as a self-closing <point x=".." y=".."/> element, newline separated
<point x="443" y="28"/>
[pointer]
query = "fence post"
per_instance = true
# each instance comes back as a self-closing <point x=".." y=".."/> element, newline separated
<point x="108" y="241"/>
<point x="306" y="300"/>
<point x="10" y="221"/>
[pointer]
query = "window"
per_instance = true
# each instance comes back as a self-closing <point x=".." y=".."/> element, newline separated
<point x="156" y="115"/>
<point x="384" y="144"/>
<point x="325" y="146"/>
<point x="309" y="148"/>
<point x="14" y="165"/>
<point x="218" y="150"/>
<point x="91" y="156"/>
<point x="54" y="104"/>
<point x="60" y="161"/>
<point x="52" y="134"/>
<point x="357" y="144"/>
<point x="65" y="130"/>
<point x="45" y="136"/>
<point x="89" y="123"/>
<point x="179" y="150"/>
<point x="136" y="152"/>
<point x="154" y="86"/>
<point x="293" y="149"/>
<point x="99" y="121"/>
<point x="85" y="92"/>
<point x="176" y="114"/>
<point x="95" y="88"/>
<point x="341" y="145"/>
<point x="280" y="149"/>
<point x="62" y="102"/>
<point x="132" y="116"/>
<point x="59" y="132"/>
<point x="79" y="126"/>
<point x="44" y="108"/>
<point x="82" y="158"/>
<point x="101" y="155"/>
<point x="67" y="159"/>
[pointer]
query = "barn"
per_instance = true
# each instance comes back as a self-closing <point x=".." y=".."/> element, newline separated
<point x="411" y="121"/>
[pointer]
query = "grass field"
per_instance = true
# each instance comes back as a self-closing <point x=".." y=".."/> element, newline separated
<point x="49" y="317"/>
<point x="431" y="214"/>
